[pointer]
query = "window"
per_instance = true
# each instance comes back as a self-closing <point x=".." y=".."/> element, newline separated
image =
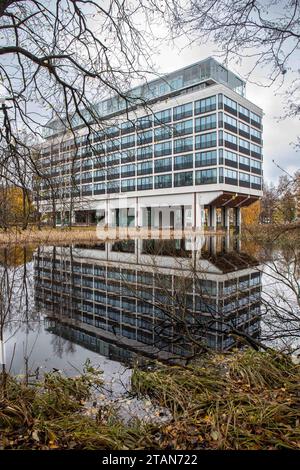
<point x="255" y="149"/>
<point x="183" y="128"/>
<point x="99" y="188"/>
<point x="128" y="141"/>
<point x="162" y="133"/>
<point x="183" y="111"/>
<point x="145" y="152"/>
<point x="231" y="158"/>
<point x="255" y="119"/>
<point x="245" y="177"/>
<point x="206" y="158"/>
<point x="87" y="189"/>
<point x="86" y="176"/>
<point x="144" y="122"/>
<point x="113" y="187"/>
<point x="113" y="173"/>
<point x="128" y="185"/>
<point x="112" y="131"/>
<point x="206" y="140"/>
<point x="206" y="122"/>
<point x="164" y="148"/>
<point x="230" y="174"/>
<point x="144" y="137"/>
<point x="205" y="105"/>
<point x="183" y="161"/>
<point x="244" y="144"/>
<point x="256" y="134"/>
<point x="230" y="105"/>
<point x="183" y="145"/>
<point x="144" y="168"/>
<point x="128" y="156"/>
<point x="113" y="145"/>
<point x="164" y="164"/>
<point x="244" y="128"/>
<point x="230" y="138"/>
<point x="183" y="179"/>
<point x="128" y="170"/>
<point x="230" y="121"/>
<point x="255" y="180"/>
<point x="145" y="183"/>
<point x="99" y="175"/>
<point x="113" y="159"/>
<point x="244" y="161"/>
<point x="244" y="111"/>
<point x="162" y="117"/>
<point x="255" y="164"/>
<point x="206" y="176"/>
<point x="163" y="181"/>
<point x="127" y="127"/>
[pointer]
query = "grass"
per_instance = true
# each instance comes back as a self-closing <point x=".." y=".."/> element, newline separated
<point x="48" y="236"/>
<point x="245" y="400"/>
<point x="52" y="414"/>
<point x="241" y="400"/>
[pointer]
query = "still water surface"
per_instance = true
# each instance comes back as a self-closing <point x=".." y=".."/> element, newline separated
<point x="122" y="301"/>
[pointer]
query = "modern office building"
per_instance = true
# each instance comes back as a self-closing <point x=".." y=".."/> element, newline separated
<point x="150" y="296"/>
<point x="185" y="150"/>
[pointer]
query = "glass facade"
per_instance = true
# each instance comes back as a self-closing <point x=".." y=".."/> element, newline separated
<point x="207" y="70"/>
<point x="215" y="131"/>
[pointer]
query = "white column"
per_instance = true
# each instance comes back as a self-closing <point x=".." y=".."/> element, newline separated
<point x="108" y="214"/>
<point x="213" y="217"/>
<point x="227" y="219"/>
<point x="196" y="213"/>
<point x="199" y="209"/>
<point x="138" y="214"/>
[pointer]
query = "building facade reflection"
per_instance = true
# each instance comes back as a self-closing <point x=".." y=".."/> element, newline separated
<point x="159" y="298"/>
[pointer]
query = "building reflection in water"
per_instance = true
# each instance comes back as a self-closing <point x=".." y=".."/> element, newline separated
<point x="159" y="298"/>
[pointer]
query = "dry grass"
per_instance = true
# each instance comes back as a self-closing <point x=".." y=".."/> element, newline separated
<point x="52" y="236"/>
<point x="56" y="414"/>
<point x="48" y="236"/>
<point x="243" y="400"/>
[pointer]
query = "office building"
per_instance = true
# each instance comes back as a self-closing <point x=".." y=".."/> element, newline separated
<point x="185" y="151"/>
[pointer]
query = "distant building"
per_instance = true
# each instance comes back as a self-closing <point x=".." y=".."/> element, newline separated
<point x="186" y="153"/>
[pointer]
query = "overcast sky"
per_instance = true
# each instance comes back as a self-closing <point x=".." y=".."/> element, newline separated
<point x="278" y="134"/>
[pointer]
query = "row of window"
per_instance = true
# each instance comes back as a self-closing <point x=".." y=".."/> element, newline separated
<point x="181" y="145"/>
<point x="207" y="176"/>
<point x="178" y="162"/>
<point x="165" y="117"/>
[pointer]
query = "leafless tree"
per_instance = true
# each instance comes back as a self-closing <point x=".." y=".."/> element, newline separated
<point x="58" y="59"/>
<point x="264" y="32"/>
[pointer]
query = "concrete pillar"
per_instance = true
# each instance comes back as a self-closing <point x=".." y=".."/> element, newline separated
<point x="213" y="245"/>
<point x="108" y="214"/>
<point x="213" y="218"/>
<point x="138" y="213"/>
<point x="226" y="218"/>
<point x="196" y="213"/>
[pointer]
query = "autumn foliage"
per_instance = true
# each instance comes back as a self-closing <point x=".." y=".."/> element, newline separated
<point x="251" y="214"/>
<point x="16" y="207"/>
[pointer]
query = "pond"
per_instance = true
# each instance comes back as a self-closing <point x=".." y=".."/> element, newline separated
<point x="123" y="301"/>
